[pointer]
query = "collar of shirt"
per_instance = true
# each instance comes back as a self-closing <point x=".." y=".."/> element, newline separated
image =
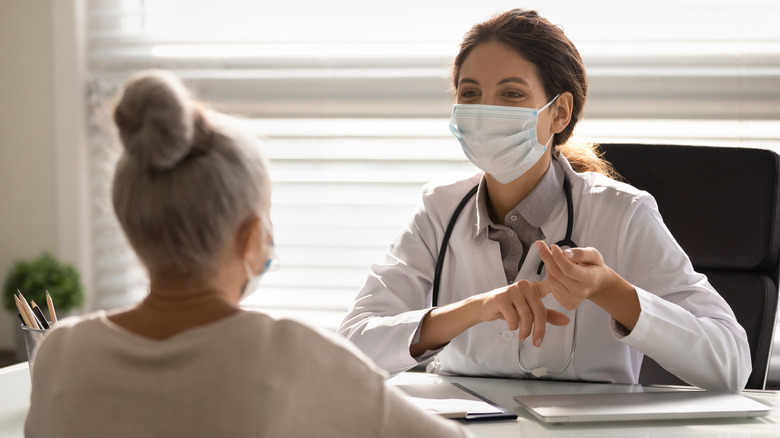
<point x="535" y="208"/>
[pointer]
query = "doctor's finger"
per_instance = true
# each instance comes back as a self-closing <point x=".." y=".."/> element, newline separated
<point x="510" y="316"/>
<point x="564" y="291"/>
<point x="580" y="279"/>
<point x="590" y="256"/>
<point x="546" y="255"/>
<point x="564" y="266"/>
<point x="555" y="317"/>
<point x="561" y="271"/>
<point x="538" y="313"/>
<point x="543" y="287"/>
<point x="544" y="250"/>
<point x="525" y="314"/>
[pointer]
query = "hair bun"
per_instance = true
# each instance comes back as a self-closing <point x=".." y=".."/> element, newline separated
<point x="155" y="117"/>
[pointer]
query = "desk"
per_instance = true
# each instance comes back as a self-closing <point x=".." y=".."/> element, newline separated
<point x="15" y="400"/>
<point x="502" y="392"/>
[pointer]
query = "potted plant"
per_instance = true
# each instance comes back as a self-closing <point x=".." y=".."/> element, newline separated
<point x="33" y="278"/>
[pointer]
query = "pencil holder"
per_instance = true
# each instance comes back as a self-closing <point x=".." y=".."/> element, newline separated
<point x="32" y="338"/>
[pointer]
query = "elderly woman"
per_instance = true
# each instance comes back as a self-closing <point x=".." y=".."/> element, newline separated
<point x="192" y="194"/>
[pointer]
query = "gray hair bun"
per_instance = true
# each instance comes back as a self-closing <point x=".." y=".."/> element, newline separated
<point x="156" y="118"/>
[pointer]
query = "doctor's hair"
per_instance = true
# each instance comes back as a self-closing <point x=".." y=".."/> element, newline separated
<point x="187" y="178"/>
<point x="559" y="66"/>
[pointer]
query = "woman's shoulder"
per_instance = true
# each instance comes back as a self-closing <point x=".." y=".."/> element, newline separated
<point x="70" y="336"/>
<point x="299" y="338"/>
<point x="597" y="182"/>
<point x="77" y="325"/>
<point x="596" y="185"/>
<point x="450" y="190"/>
<point x="440" y="199"/>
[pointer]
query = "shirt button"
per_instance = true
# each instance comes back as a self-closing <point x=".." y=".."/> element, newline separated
<point x="507" y="335"/>
<point x="513" y="217"/>
<point x="511" y="233"/>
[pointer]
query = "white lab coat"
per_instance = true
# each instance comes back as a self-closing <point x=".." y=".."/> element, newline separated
<point x="684" y="324"/>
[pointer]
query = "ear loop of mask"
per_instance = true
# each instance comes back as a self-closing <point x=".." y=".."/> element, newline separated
<point x="271" y="264"/>
<point x="549" y="140"/>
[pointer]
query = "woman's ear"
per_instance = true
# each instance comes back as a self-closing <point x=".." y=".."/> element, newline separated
<point x="249" y="238"/>
<point x="561" y="112"/>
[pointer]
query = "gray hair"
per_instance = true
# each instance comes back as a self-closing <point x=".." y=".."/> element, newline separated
<point x="186" y="180"/>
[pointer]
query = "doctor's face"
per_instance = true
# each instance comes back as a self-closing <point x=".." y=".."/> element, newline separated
<point x="495" y="74"/>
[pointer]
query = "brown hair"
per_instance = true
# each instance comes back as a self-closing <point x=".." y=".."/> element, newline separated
<point x="559" y="66"/>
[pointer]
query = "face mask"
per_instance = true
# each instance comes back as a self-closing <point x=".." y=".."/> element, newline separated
<point x="500" y="140"/>
<point x="253" y="280"/>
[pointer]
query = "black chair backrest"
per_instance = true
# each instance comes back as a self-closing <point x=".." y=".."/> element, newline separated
<point x="722" y="204"/>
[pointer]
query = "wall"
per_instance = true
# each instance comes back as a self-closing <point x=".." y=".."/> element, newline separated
<point x="28" y="202"/>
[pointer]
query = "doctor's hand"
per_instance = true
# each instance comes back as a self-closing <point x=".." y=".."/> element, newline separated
<point x="578" y="274"/>
<point x="520" y="305"/>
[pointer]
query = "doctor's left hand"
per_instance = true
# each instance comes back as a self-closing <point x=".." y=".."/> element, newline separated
<point x="578" y="274"/>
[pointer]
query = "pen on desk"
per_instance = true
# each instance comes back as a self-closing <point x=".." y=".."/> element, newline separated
<point x="22" y="312"/>
<point x="50" y="305"/>
<point x="33" y="320"/>
<point x="39" y="314"/>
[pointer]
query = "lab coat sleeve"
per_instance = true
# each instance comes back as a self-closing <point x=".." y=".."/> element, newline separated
<point x="385" y="317"/>
<point x="684" y="324"/>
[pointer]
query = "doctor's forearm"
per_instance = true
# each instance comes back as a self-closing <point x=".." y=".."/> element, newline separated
<point x="620" y="300"/>
<point x="442" y="324"/>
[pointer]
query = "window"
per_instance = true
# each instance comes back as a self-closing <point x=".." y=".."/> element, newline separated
<point x="352" y="99"/>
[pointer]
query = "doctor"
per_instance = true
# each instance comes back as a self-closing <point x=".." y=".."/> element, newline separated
<point x="552" y="269"/>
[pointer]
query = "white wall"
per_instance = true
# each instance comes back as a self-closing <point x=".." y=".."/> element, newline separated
<point x="28" y="201"/>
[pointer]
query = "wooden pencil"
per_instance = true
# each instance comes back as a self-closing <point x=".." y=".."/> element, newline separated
<point x="22" y="311"/>
<point x="50" y="305"/>
<point x="30" y="314"/>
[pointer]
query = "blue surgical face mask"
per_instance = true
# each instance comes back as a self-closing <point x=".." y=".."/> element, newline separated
<point x="500" y="140"/>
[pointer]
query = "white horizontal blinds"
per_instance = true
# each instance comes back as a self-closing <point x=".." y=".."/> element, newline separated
<point x="695" y="71"/>
<point x="667" y="61"/>
<point x="119" y="279"/>
<point x="353" y="100"/>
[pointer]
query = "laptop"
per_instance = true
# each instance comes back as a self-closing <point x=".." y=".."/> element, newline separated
<point x="654" y="405"/>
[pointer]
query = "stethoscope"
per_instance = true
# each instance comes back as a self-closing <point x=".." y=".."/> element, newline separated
<point x="565" y="242"/>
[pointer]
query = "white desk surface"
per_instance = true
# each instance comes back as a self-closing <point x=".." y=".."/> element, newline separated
<point x="502" y="392"/>
<point x="15" y="400"/>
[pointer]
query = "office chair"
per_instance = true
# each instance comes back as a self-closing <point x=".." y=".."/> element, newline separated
<point x="722" y="204"/>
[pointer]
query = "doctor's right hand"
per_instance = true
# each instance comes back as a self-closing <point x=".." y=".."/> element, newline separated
<point x="520" y="305"/>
